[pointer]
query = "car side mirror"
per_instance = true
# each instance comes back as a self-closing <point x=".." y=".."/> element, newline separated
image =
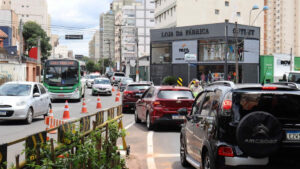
<point x="36" y="95"/>
<point x="182" y="111"/>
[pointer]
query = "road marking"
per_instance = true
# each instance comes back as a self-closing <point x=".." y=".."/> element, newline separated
<point x="166" y="155"/>
<point x="150" y="158"/>
<point x="129" y="125"/>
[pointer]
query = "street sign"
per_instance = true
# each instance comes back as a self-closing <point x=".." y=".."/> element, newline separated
<point x="74" y="37"/>
<point x="190" y="57"/>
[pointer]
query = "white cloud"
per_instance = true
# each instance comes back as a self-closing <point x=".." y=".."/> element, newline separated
<point x="76" y="17"/>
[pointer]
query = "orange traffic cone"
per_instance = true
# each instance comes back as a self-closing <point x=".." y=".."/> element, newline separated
<point x="119" y="94"/>
<point x="99" y="106"/>
<point x="113" y="89"/>
<point x="84" y="109"/>
<point x="51" y="121"/>
<point x="66" y="115"/>
<point x="117" y="99"/>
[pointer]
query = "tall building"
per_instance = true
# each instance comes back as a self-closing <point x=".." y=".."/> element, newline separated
<point x="282" y="24"/>
<point x="174" y="13"/>
<point x="32" y="10"/>
<point x="107" y="35"/>
<point x="54" y="41"/>
<point x="61" y="51"/>
<point x="5" y="4"/>
<point x="137" y="20"/>
<point x="94" y="47"/>
<point x="70" y="54"/>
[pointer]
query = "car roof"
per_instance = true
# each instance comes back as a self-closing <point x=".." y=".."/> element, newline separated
<point x="139" y="83"/>
<point x="171" y="88"/>
<point x="23" y="82"/>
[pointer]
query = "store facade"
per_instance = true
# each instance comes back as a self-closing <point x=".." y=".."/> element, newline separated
<point x="210" y="44"/>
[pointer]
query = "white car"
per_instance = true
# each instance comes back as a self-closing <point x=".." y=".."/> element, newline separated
<point x="23" y="101"/>
<point x="90" y="79"/>
<point x="102" y="86"/>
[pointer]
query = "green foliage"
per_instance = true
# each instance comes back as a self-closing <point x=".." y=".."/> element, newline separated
<point x="90" y="66"/>
<point x="169" y="80"/>
<point x="31" y="32"/>
<point x="83" y="152"/>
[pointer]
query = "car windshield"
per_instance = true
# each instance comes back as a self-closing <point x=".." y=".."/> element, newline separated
<point x="94" y="76"/>
<point x="126" y="81"/>
<point x="137" y="87"/>
<point x="294" y="77"/>
<point x="120" y="74"/>
<point x="175" y="94"/>
<point x="62" y="75"/>
<point x="15" y="90"/>
<point x="102" y="81"/>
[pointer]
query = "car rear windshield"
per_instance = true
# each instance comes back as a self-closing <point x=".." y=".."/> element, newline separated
<point x="15" y="90"/>
<point x="120" y="74"/>
<point x="283" y="106"/>
<point x="175" y="94"/>
<point x="137" y="87"/>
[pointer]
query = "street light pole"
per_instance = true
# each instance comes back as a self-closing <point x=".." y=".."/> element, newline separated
<point x="264" y="9"/>
<point x="120" y="38"/>
<point x="226" y="51"/>
<point x="109" y="53"/>
<point x="236" y="54"/>
<point x="255" y="7"/>
<point x="137" y="72"/>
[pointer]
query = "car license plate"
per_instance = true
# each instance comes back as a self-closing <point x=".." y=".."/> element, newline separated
<point x="61" y="95"/>
<point x="3" y="113"/>
<point x="293" y="135"/>
<point x="176" y="117"/>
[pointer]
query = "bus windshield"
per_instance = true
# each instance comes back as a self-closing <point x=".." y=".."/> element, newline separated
<point x="61" y="75"/>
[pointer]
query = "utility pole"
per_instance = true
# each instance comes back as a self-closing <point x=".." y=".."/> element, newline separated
<point x="108" y="42"/>
<point x="120" y="38"/>
<point x="291" y="62"/>
<point x="21" y="40"/>
<point x="226" y="51"/>
<point x="39" y="57"/>
<point x="137" y="72"/>
<point x="236" y="54"/>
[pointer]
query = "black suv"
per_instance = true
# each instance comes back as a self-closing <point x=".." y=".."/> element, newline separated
<point x="241" y="125"/>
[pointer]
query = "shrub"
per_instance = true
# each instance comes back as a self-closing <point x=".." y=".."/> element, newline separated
<point x="169" y="80"/>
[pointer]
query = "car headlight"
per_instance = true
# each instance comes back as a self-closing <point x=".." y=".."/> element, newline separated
<point x="21" y="103"/>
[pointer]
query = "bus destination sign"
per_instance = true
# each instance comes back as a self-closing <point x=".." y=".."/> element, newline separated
<point x="62" y="63"/>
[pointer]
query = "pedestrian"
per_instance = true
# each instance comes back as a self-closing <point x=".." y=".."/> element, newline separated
<point x="196" y="88"/>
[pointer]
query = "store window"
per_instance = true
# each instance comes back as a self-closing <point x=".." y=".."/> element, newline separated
<point x="161" y="53"/>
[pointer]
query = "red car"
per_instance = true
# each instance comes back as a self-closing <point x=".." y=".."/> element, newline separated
<point x="132" y="93"/>
<point x="159" y="104"/>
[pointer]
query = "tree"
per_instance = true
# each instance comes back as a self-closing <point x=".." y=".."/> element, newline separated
<point x="169" y="80"/>
<point x="90" y="66"/>
<point x="31" y="32"/>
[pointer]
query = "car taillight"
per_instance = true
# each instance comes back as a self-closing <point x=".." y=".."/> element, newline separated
<point x="114" y="78"/>
<point x="225" y="151"/>
<point x="156" y="103"/>
<point x="227" y="105"/>
<point x="269" y="88"/>
<point x="126" y="93"/>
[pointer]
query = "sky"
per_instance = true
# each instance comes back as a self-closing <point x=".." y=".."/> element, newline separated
<point x="76" y="17"/>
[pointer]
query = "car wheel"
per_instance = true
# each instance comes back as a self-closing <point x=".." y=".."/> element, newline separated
<point x="148" y="122"/>
<point x="29" y="116"/>
<point x="208" y="162"/>
<point x="136" y="117"/>
<point x="183" y="160"/>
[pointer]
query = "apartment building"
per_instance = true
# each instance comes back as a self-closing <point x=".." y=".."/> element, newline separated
<point x="33" y="10"/>
<point x="107" y="34"/>
<point x="94" y="47"/>
<point x="282" y="27"/>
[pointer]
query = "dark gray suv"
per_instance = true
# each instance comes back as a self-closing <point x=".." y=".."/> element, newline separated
<point x="241" y="125"/>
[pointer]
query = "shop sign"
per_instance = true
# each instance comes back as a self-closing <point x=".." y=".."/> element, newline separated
<point x="182" y="48"/>
<point x="190" y="57"/>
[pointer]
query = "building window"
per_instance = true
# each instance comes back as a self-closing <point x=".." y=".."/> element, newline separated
<point x="151" y="20"/>
<point x="27" y="6"/>
<point x="27" y="15"/>
<point x="152" y="2"/>
<point x="217" y="11"/>
<point x="151" y="11"/>
<point x="22" y="6"/>
<point x="238" y="14"/>
<point x="22" y="15"/>
<point x="226" y="3"/>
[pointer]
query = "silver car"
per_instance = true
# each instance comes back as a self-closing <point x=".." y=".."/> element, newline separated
<point x="101" y="86"/>
<point x="23" y="101"/>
